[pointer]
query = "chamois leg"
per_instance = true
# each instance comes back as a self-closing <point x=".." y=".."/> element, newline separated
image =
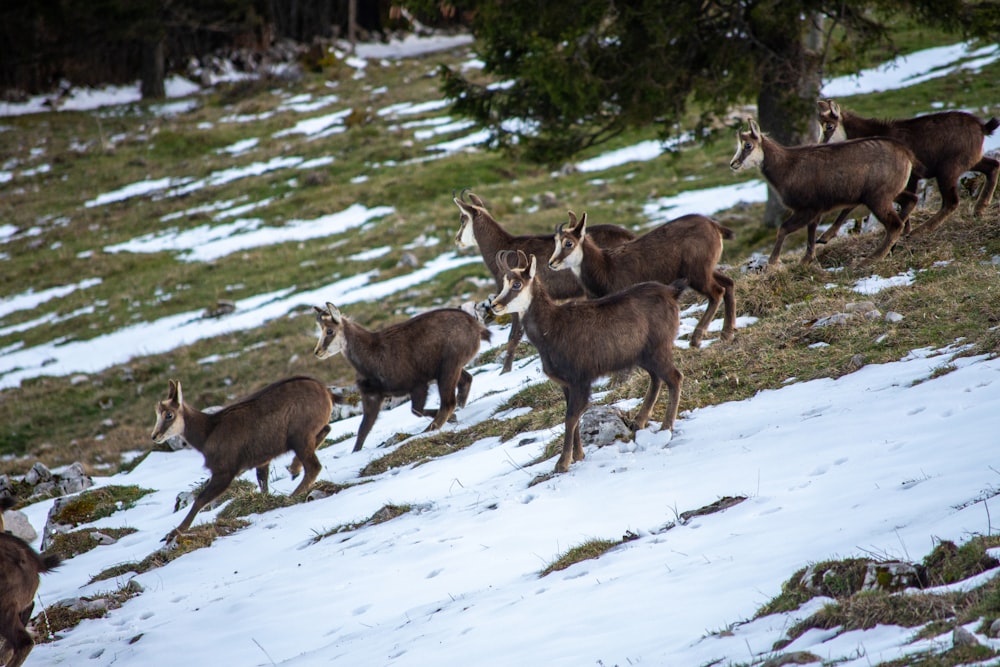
<point x="729" y="301"/>
<point x="673" y="378"/>
<point x="810" y="255"/>
<point x="306" y="453"/>
<point x="262" y="474"/>
<point x="652" y="393"/>
<point x="948" y="186"/>
<point x="371" y="404"/>
<point x="295" y="467"/>
<point x="893" y="229"/>
<point x="991" y="168"/>
<point x="418" y="398"/>
<point x="831" y="233"/>
<point x="19" y="642"/>
<point x="446" y="389"/>
<point x="719" y="288"/>
<point x="216" y="485"/>
<point x="795" y="221"/>
<point x="515" y="338"/>
<point x="462" y="391"/>
<point x="576" y="403"/>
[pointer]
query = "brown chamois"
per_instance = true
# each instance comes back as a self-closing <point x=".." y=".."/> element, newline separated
<point x="947" y="144"/>
<point x="292" y="414"/>
<point x="816" y="179"/>
<point x="405" y="358"/>
<point x="479" y="228"/>
<point x="688" y="247"/>
<point x="20" y="566"/>
<point x="579" y="341"/>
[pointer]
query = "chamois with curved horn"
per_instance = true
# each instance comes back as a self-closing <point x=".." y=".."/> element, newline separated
<point x="479" y="228"/>
<point x="688" y="247"/>
<point x="405" y="358"/>
<point x="292" y="414"/>
<point x="579" y="341"/>
<point x="816" y="179"/>
<point x="947" y="144"/>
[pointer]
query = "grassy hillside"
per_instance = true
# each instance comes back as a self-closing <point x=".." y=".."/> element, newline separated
<point x="379" y="160"/>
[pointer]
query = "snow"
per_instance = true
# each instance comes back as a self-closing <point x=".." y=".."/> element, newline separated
<point x="455" y="580"/>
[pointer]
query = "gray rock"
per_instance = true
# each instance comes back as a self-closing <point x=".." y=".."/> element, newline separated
<point x="16" y="522"/>
<point x="602" y="425"/>
<point x="962" y="637"/>
<point x="892" y="576"/>
<point x="38" y="473"/>
<point x="74" y="479"/>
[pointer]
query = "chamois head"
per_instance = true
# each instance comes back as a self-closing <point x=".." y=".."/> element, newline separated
<point x="466" y="237"/>
<point x="569" y="244"/>
<point x="830" y="122"/>
<point x="331" y="331"/>
<point x="748" y="148"/>
<point x="169" y="414"/>
<point x="515" y="297"/>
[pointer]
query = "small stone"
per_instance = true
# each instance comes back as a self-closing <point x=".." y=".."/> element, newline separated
<point x="893" y="316"/>
<point x="962" y="637"/>
<point x="38" y="473"/>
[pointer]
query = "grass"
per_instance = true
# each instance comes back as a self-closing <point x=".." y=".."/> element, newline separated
<point x="96" y="418"/>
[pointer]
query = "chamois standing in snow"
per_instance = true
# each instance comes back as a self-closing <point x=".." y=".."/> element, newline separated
<point x="579" y="341"/>
<point x="688" y="247"/>
<point x="20" y="566"/>
<point x="816" y="179"/>
<point x="479" y="228"/>
<point x="292" y="414"/>
<point x="405" y="358"/>
<point x="947" y="144"/>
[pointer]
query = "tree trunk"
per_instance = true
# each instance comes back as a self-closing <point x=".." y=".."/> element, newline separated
<point x="153" y="70"/>
<point x="786" y="103"/>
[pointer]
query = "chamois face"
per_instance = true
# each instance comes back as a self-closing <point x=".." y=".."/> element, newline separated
<point x="515" y="297"/>
<point x="466" y="237"/>
<point x="331" y="332"/>
<point x="568" y="253"/>
<point x="749" y="153"/>
<point x="169" y="415"/>
<point x="829" y="122"/>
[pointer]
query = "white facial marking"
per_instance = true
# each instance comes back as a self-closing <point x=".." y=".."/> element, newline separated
<point x="466" y="235"/>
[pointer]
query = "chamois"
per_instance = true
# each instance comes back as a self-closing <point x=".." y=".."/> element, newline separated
<point x="292" y="414"/>
<point x="688" y="247"/>
<point x="20" y="566"/>
<point x="816" y="179"/>
<point x="579" y="341"/>
<point x="947" y="144"/>
<point x="405" y="358"/>
<point x="479" y="228"/>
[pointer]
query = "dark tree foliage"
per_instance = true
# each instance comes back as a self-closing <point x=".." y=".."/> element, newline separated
<point x="576" y="74"/>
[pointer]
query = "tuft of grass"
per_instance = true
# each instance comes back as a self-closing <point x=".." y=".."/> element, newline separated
<point x="383" y="514"/>
<point x="68" y="545"/>
<point x="94" y="504"/>
<point x="588" y="550"/>
<point x="57" y="617"/>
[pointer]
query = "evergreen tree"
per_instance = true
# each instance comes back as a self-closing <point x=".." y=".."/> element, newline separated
<point x="576" y="74"/>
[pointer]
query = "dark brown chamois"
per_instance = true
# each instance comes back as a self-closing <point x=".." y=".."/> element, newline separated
<point x="405" y="358"/>
<point x="292" y="414"/>
<point x="688" y="247"/>
<point x="20" y="566"/>
<point x="947" y="144"/>
<point x="479" y="228"/>
<point x="579" y="341"/>
<point x="816" y="179"/>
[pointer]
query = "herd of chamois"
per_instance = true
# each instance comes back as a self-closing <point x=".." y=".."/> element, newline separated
<point x="630" y="319"/>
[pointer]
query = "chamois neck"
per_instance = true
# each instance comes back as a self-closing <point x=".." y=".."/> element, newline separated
<point x="594" y="270"/>
<point x="858" y="126"/>
<point x="198" y="426"/>
<point x="491" y="238"/>
<point x="358" y="340"/>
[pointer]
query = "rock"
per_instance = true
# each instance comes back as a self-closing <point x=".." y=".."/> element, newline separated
<point x="38" y="473"/>
<point x="962" y="637"/>
<point x="893" y="316"/>
<point x="74" y="479"/>
<point x="865" y="309"/>
<point x="16" y="522"/>
<point x="893" y="576"/>
<point x="409" y="260"/>
<point x="102" y="538"/>
<point x="602" y="425"/>
<point x="995" y="628"/>
<point x="756" y="264"/>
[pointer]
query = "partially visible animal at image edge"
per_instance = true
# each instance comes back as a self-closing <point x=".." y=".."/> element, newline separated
<point x="479" y="228"/>
<point x="20" y="566"/>
<point x="947" y="144"/>
<point x="404" y="358"/>
<point x="292" y="414"/>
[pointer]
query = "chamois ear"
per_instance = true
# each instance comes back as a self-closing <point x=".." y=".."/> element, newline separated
<point x="754" y="128"/>
<point x="834" y="108"/>
<point x="572" y="218"/>
<point x="581" y="228"/>
<point x="476" y="200"/>
<point x="334" y="313"/>
<point x="532" y="267"/>
<point x="174" y="392"/>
